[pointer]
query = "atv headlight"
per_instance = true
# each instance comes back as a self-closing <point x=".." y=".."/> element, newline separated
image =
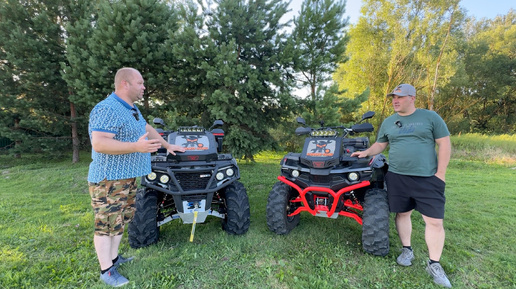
<point x="353" y="177"/>
<point x="295" y="173"/>
<point x="230" y="172"/>
<point x="152" y="176"/>
<point x="164" y="179"/>
<point x="220" y="176"/>
<point x="323" y="133"/>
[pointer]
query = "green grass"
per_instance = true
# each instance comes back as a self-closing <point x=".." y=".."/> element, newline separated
<point x="46" y="227"/>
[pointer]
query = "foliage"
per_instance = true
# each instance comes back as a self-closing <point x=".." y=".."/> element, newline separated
<point x="498" y="149"/>
<point x="245" y="71"/>
<point x="398" y="41"/>
<point x="126" y="33"/>
<point x="34" y="106"/>
<point x="484" y="99"/>
<point x="319" y="44"/>
<point x="320" y="41"/>
<point x="236" y="61"/>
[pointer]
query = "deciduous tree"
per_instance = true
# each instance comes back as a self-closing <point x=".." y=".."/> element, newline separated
<point x="399" y="41"/>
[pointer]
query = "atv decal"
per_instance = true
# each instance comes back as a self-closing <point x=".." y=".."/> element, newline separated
<point x="321" y="148"/>
<point x="195" y="143"/>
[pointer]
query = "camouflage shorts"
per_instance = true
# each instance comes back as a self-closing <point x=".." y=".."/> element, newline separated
<point x="113" y="205"/>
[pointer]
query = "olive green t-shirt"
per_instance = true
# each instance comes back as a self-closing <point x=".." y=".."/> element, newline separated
<point x="412" y="142"/>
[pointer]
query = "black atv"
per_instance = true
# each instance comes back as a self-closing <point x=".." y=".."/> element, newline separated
<point x="190" y="186"/>
<point x="325" y="181"/>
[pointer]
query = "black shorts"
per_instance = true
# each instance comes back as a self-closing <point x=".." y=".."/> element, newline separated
<point x="424" y="194"/>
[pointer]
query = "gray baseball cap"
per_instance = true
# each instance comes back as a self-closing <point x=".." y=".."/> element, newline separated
<point x="403" y="90"/>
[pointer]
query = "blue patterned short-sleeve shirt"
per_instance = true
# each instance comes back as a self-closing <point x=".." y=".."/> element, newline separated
<point x="114" y="115"/>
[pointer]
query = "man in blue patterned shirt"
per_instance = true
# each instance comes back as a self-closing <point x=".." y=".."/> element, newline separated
<point x="121" y="143"/>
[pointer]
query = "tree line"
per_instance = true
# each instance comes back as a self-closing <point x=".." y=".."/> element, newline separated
<point x="463" y="68"/>
<point x="242" y="62"/>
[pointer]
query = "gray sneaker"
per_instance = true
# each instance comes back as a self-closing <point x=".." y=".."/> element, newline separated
<point x="121" y="260"/>
<point x="406" y="257"/>
<point x="113" y="278"/>
<point x="437" y="272"/>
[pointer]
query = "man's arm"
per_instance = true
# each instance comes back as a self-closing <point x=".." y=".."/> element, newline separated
<point x="443" y="156"/>
<point x="104" y="142"/>
<point x="375" y="149"/>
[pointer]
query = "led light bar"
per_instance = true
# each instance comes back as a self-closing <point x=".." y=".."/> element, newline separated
<point x="191" y="129"/>
<point x="323" y="133"/>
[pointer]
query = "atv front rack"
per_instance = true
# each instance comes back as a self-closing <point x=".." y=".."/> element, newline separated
<point x="319" y="210"/>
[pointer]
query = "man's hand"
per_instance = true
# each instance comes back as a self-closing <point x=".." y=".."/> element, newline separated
<point x="361" y="154"/>
<point x="174" y="148"/>
<point x="441" y="176"/>
<point x="144" y="145"/>
<point x="375" y="149"/>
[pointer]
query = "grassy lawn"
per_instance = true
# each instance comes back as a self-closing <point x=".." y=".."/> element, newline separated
<point x="46" y="237"/>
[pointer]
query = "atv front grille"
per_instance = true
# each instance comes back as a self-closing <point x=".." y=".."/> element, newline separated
<point x="192" y="198"/>
<point x="320" y="179"/>
<point x="192" y="181"/>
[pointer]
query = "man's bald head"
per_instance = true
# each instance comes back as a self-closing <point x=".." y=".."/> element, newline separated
<point x="126" y="73"/>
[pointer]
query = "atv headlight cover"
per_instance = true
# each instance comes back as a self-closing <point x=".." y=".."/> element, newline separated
<point x="230" y="172"/>
<point x="295" y="173"/>
<point x="164" y="179"/>
<point x="152" y="176"/>
<point x="353" y="177"/>
<point x="219" y="176"/>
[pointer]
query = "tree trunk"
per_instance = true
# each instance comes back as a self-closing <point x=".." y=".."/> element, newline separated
<point x="431" y="98"/>
<point x="75" y="137"/>
<point x="17" y="142"/>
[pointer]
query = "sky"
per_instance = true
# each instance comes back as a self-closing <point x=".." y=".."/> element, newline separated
<point x="477" y="8"/>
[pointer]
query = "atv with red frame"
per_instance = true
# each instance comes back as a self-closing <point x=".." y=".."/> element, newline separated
<point x="325" y="181"/>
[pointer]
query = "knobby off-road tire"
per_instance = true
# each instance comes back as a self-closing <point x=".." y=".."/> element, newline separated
<point x="278" y="208"/>
<point x="238" y="214"/>
<point x="375" y="226"/>
<point x="143" y="229"/>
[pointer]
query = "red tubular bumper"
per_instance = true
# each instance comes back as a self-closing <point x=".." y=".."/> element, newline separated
<point x="335" y="195"/>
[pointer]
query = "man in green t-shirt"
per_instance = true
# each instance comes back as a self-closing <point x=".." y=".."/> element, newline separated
<point x="416" y="177"/>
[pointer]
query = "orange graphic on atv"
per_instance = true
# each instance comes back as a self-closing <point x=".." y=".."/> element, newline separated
<point x="192" y="143"/>
<point x="321" y="149"/>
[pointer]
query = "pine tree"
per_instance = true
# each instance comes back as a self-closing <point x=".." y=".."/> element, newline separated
<point x="320" y="42"/>
<point x="245" y="72"/>
<point x="34" y="105"/>
<point x="125" y="33"/>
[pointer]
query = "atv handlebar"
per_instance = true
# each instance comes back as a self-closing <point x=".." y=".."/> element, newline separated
<point x="359" y="127"/>
<point x="363" y="127"/>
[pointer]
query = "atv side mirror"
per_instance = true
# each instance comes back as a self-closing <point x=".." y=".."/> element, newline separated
<point x="303" y="130"/>
<point x="368" y="114"/>
<point x="217" y="122"/>
<point x="300" y="120"/>
<point x="158" y="121"/>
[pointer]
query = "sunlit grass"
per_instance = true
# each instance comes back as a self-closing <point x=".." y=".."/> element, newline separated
<point x="46" y="225"/>
<point x="500" y="149"/>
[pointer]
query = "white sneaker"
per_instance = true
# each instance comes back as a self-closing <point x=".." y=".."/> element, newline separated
<point x="437" y="272"/>
<point x="406" y="257"/>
